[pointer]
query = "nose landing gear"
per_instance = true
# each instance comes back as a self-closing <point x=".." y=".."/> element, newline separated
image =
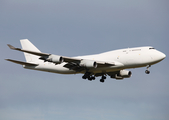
<point x="147" y="71"/>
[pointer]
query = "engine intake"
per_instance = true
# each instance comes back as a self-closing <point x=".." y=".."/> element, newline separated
<point x="88" y="64"/>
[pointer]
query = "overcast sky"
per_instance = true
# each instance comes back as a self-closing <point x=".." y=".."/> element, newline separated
<point x="81" y="27"/>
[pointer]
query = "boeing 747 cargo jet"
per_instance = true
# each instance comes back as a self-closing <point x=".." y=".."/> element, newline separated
<point x="112" y="63"/>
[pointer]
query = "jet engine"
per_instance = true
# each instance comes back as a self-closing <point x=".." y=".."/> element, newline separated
<point x="122" y="74"/>
<point x="53" y="58"/>
<point x="125" y="73"/>
<point x="88" y="64"/>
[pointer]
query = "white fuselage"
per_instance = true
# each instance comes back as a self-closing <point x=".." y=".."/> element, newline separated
<point x="122" y="58"/>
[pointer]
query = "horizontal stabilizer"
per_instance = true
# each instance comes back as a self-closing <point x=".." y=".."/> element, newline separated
<point x="21" y="63"/>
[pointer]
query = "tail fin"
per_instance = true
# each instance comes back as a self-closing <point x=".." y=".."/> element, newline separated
<point x="27" y="45"/>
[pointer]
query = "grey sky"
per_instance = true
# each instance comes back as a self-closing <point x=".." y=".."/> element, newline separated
<point x="80" y="27"/>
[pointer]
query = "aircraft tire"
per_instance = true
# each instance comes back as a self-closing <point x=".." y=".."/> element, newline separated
<point x="102" y="80"/>
<point x="83" y="77"/>
<point x="147" y="72"/>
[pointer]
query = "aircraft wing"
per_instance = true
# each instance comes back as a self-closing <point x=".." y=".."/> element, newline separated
<point x="28" y="51"/>
<point x="21" y="63"/>
<point x="77" y="60"/>
<point x="72" y="62"/>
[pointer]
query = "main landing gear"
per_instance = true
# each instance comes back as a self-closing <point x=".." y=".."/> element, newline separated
<point x="102" y="79"/>
<point x="147" y="71"/>
<point x="88" y="76"/>
<point x="91" y="77"/>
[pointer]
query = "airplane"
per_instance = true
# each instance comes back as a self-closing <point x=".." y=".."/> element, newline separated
<point x="112" y="63"/>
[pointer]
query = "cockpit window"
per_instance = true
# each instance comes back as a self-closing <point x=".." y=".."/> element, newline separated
<point x="151" y="48"/>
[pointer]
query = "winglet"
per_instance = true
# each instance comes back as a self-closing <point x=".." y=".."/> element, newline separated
<point x="11" y="47"/>
<point x="28" y="51"/>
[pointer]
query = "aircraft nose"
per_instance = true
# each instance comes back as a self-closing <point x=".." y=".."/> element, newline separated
<point x="161" y="55"/>
<point x="158" y="56"/>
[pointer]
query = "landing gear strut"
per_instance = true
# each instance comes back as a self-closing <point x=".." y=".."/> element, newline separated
<point x="147" y="71"/>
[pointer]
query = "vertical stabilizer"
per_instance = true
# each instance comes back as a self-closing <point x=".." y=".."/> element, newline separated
<point x="27" y="45"/>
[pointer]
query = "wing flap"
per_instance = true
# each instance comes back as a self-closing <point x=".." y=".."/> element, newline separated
<point x="21" y="63"/>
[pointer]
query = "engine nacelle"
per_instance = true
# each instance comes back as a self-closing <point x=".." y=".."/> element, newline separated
<point x="125" y="73"/>
<point x="55" y="59"/>
<point x="122" y="74"/>
<point x="88" y="64"/>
